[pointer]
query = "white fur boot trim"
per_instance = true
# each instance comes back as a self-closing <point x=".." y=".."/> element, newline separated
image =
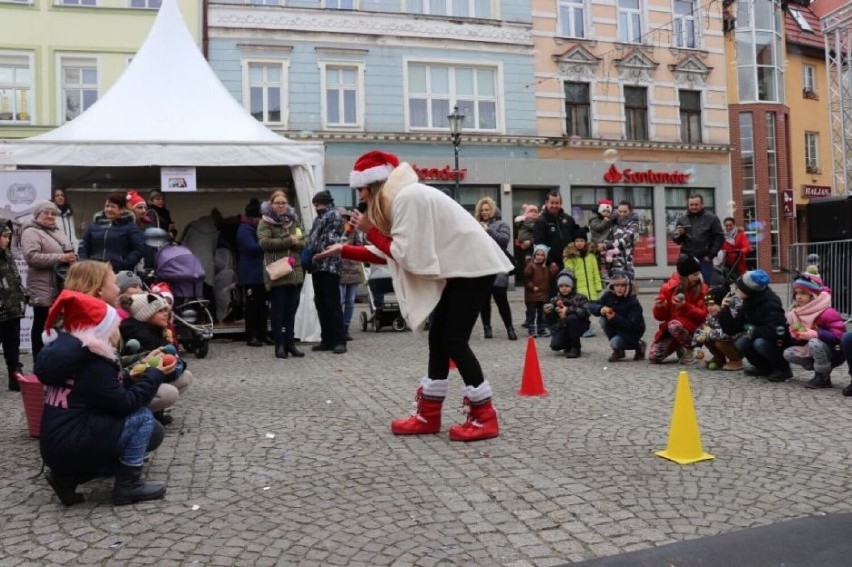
<point x="434" y="389"/>
<point x="478" y="394"/>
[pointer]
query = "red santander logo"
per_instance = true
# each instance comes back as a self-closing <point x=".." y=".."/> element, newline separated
<point x="613" y="175"/>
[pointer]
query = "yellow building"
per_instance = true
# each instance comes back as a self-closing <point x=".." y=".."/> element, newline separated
<point x="631" y="96"/>
<point x="58" y="56"/>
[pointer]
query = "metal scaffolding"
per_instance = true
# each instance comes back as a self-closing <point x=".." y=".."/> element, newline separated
<point x="837" y="29"/>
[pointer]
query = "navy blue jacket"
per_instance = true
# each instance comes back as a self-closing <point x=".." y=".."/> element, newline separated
<point x="118" y="242"/>
<point x="628" y="321"/>
<point x="86" y="401"/>
<point x="249" y="254"/>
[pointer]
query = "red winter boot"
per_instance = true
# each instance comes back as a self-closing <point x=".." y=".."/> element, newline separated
<point x="481" y="416"/>
<point x="426" y="418"/>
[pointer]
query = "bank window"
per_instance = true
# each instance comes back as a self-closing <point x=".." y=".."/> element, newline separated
<point x="150" y="4"/>
<point x="577" y="110"/>
<point x="811" y="153"/>
<point x="16" y="88"/>
<point x="434" y="89"/>
<point x="77" y="2"/>
<point x="264" y="2"/>
<point x="340" y="4"/>
<point x="630" y="21"/>
<point x="344" y="101"/>
<point x="685" y="12"/>
<point x="636" y="113"/>
<point x="79" y="87"/>
<point x="264" y="94"/>
<point x="676" y="205"/>
<point x="572" y="18"/>
<point x="690" y="117"/>
<point x="584" y="206"/>
<point x="459" y="8"/>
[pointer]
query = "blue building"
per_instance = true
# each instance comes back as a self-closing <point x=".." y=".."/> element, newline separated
<point x="360" y="75"/>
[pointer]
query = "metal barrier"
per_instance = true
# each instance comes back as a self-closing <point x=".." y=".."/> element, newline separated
<point x="834" y="260"/>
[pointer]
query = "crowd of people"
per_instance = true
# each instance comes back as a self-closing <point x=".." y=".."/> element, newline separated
<point x="105" y="346"/>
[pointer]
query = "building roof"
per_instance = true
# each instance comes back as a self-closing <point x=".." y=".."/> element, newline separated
<point x="803" y="27"/>
<point x="823" y="7"/>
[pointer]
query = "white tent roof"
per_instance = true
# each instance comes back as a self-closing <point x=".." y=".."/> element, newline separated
<point x="168" y="108"/>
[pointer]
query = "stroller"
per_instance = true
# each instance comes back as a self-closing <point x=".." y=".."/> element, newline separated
<point x="177" y="266"/>
<point x="383" y="311"/>
<point x="725" y="273"/>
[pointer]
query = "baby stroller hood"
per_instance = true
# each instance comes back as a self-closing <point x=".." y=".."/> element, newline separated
<point x="178" y="266"/>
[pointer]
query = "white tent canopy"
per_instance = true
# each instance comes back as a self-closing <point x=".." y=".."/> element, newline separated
<point x="169" y="109"/>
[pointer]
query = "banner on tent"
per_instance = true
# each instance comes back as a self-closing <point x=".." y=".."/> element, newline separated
<point x="19" y="191"/>
<point x="177" y="179"/>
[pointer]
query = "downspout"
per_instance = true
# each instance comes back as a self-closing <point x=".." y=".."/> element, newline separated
<point x="205" y="38"/>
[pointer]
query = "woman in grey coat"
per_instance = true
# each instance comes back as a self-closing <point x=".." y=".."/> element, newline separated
<point x="489" y="217"/>
<point x="46" y="248"/>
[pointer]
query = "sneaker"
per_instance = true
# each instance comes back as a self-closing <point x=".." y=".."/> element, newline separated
<point x="339" y="349"/>
<point x="820" y="380"/>
<point x="572" y="352"/>
<point x="543" y="333"/>
<point x="688" y="357"/>
<point x="733" y="365"/>
<point x="756" y="372"/>
<point x="589" y="333"/>
<point x="640" y="351"/>
<point x="780" y="374"/>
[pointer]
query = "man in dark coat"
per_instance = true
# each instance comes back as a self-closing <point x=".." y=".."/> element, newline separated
<point x="700" y="235"/>
<point x="555" y="229"/>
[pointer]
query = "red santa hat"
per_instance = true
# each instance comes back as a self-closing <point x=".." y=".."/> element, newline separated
<point x="134" y="198"/>
<point x="80" y="312"/>
<point x="163" y="289"/>
<point x="372" y="167"/>
<point x="604" y="205"/>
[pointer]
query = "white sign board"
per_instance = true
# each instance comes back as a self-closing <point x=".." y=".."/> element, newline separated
<point x="19" y="190"/>
<point x="177" y="179"/>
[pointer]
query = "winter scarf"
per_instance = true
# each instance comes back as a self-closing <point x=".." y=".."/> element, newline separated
<point x="285" y="219"/>
<point x="806" y="315"/>
<point x="730" y="237"/>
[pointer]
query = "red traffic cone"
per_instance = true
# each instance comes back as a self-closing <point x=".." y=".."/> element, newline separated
<point x="531" y="382"/>
<point x="453" y="365"/>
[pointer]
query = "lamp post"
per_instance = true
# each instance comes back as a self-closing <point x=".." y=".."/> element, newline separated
<point x="456" y="123"/>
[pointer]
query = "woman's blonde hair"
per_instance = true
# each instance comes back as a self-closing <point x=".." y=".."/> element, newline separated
<point x="485" y="201"/>
<point x="276" y="193"/>
<point x="379" y="209"/>
<point x="87" y="276"/>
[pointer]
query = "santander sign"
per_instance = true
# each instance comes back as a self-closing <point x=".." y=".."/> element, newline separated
<point x="613" y="175"/>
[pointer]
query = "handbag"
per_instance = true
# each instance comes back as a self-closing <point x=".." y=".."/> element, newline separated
<point x="279" y="268"/>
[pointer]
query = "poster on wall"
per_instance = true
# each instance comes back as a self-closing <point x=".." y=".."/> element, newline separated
<point x="19" y="191"/>
<point x="177" y="179"/>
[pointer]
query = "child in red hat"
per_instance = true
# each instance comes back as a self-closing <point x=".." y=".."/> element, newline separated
<point x="95" y="421"/>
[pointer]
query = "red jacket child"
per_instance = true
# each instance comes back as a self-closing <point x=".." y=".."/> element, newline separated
<point x="691" y="314"/>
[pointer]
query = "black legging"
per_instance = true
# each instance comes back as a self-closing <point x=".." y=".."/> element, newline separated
<point x="502" y="301"/>
<point x="452" y="322"/>
<point x="255" y="312"/>
<point x="10" y="338"/>
<point x="39" y="319"/>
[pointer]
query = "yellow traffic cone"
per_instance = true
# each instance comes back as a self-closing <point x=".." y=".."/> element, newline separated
<point x="684" y="439"/>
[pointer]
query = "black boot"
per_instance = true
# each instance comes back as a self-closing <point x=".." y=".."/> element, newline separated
<point x="510" y="332"/>
<point x="129" y="487"/>
<point x="572" y="352"/>
<point x="486" y="329"/>
<point x="847" y="391"/>
<point x="14" y="385"/>
<point x="820" y="380"/>
<point x="281" y="351"/>
<point x="254" y="342"/>
<point x="291" y="348"/>
<point x="65" y="488"/>
<point x="162" y="417"/>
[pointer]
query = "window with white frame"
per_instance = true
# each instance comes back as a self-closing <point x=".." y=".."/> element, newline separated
<point x="458" y="8"/>
<point x="150" y="4"/>
<point x="344" y="101"/>
<point x="434" y="89"/>
<point x="811" y="156"/>
<point x="16" y="88"/>
<point x="340" y="4"/>
<point x="690" y="116"/>
<point x="77" y="2"/>
<point x="572" y="18"/>
<point x="685" y="16"/>
<point x="630" y="21"/>
<point x="264" y="2"/>
<point x="264" y="90"/>
<point x="809" y="79"/>
<point x="79" y="84"/>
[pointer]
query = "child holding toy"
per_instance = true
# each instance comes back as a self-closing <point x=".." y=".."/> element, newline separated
<point x="711" y="335"/>
<point x="621" y="317"/>
<point x="568" y="314"/>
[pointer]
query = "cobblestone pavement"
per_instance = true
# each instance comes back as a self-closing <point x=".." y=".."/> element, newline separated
<point x="292" y="463"/>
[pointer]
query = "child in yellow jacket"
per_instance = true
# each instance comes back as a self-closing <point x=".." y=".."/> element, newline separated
<point x="584" y="263"/>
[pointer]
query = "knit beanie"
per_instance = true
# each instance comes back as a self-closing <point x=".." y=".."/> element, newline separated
<point x="541" y="248"/>
<point x="581" y="233"/>
<point x="687" y="265"/>
<point x="618" y="278"/>
<point x="808" y="284"/>
<point x="323" y="198"/>
<point x="42" y="206"/>
<point x="125" y="279"/>
<point x="252" y="209"/>
<point x="604" y="206"/>
<point x="565" y="277"/>
<point x="716" y="295"/>
<point x="372" y="167"/>
<point x="755" y="281"/>
<point x="145" y="305"/>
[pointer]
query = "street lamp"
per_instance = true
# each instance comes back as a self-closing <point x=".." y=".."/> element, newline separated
<point x="456" y="123"/>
